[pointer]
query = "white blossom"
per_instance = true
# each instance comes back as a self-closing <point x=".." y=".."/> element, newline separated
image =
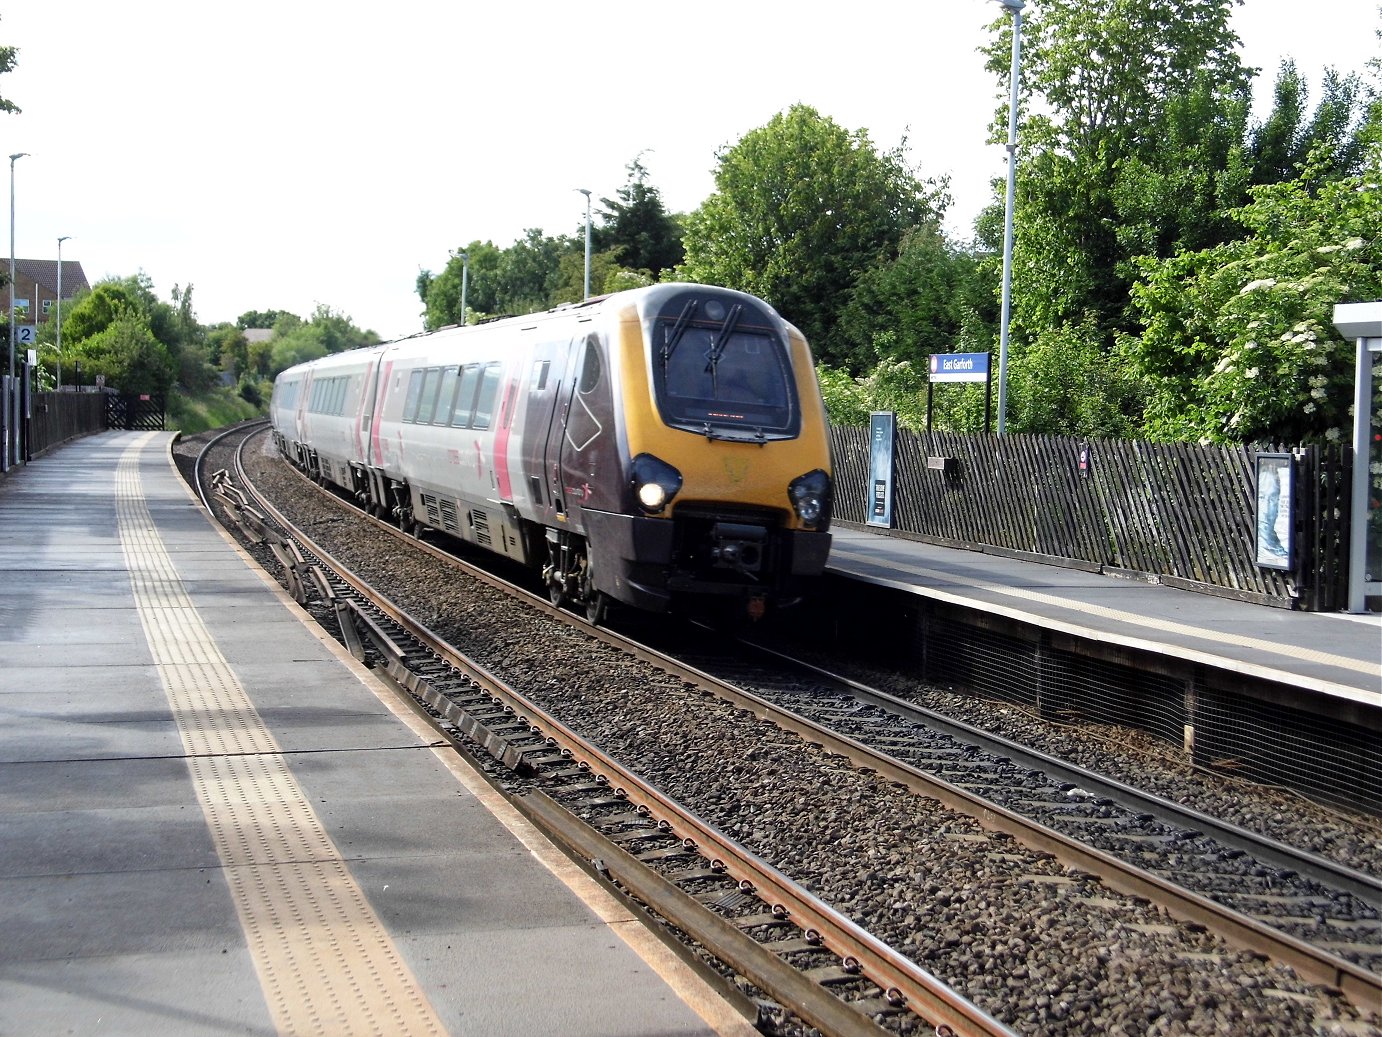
<point x="1252" y="286"/>
<point x="1333" y="435"/>
<point x="1251" y="372"/>
<point x="1309" y="408"/>
<point x="1353" y="243"/>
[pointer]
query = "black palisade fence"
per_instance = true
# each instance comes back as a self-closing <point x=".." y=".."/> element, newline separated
<point x="1182" y="513"/>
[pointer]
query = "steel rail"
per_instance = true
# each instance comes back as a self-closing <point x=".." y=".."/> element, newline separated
<point x="1362" y="987"/>
<point x="903" y="981"/>
<point x="1331" y="873"/>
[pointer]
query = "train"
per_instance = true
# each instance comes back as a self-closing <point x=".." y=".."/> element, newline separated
<point x="662" y="446"/>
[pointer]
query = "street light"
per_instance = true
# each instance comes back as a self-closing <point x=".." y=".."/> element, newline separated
<point x="65" y="237"/>
<point x="585" y="192"/>
<point x="1015" y="6"/>
<point x="465" y="276"/>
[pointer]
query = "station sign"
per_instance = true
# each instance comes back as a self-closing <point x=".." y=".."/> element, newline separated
<point x="959" y="367"/>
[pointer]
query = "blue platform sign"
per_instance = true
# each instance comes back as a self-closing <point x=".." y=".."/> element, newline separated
<point x="882" y="434"/>
<point x="959" y="367"/>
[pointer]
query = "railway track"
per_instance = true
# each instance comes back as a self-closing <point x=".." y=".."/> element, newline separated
<point x="879" y="736"/>
<point x="782" y="942"/>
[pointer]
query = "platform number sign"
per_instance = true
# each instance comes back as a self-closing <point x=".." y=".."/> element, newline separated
<point x="25" y="334"/>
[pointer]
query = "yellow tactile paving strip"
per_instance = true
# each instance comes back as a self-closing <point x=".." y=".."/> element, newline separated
<point x="326" y="964"/>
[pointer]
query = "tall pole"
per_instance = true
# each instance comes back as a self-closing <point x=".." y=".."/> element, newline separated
<point x="465" y="276"/>
<point x="1015" y="6"/>
<point x="13" y="159"/>
<point x="12" y="429"/>
<point x="65" y="237"/>
<point x="585" y="192"/>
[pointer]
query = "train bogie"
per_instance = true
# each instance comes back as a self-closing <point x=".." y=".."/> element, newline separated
<point x="659" y="444"/>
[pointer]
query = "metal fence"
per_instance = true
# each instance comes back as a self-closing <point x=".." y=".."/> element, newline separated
<point x="1181" y="513"/>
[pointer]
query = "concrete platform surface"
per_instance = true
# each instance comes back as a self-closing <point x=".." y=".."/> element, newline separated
<point x="213" y="821"/>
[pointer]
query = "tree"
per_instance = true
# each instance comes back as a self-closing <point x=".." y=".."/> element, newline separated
<point x="441" y="295"/>
<point x="259" y="318"/>
<point x="1239" y="343"/>
<point x="637" y="228"/>
<point x="932" y="297"/>
<point x="9" y="57"/>
<point x="1100" y="100"/>
<point x="126" y="351"/>
<point x="801" y="207"/>
<point x="1281" y="145"/>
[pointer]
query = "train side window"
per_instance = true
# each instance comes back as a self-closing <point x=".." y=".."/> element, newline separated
<point x="465" y="397"/>
<point x="414" y="396"/>
<point x="446" y="396"/>
<point x="590" y="366"/>
<point x="367" y="401"/>
<point x="484" y="403"/>
<point x="427" y="407"/>
<point x="540" y="369"/>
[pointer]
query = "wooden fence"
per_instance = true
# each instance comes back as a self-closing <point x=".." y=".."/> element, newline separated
<point x="1179" y="513"/>
<point x="58" y="417"/>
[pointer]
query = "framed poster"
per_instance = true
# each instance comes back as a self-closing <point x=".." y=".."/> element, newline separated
<point x="882" y="432"/>
<point x="1274" y="518"/>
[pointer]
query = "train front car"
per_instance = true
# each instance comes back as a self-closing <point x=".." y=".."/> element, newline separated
<point x="728" y="460"/>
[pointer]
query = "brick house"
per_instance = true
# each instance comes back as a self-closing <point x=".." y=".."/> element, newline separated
<point x="36" y="282"/>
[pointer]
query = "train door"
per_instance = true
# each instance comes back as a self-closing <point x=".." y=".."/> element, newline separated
<point x="547" y="382"/>
<point x="587" y="443"/>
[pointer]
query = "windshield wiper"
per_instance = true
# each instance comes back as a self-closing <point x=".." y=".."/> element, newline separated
<point x="687" y="312"/>
<point x="717" y="350"/>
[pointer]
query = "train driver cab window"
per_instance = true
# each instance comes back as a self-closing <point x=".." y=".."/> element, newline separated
<point x="489" y="389"/>
<point x="465" y="397"/>
<point x="540" y="369"/>
<point x="721" y="368"/>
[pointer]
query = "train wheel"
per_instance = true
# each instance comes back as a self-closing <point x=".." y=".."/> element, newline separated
<point x="556" y="592"/>
<point x="596" y="608"/>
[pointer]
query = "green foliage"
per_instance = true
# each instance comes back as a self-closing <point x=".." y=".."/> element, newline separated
<point x="1239" y="343"/>
<point x="128" y="354"/>
<point x="1136" y="154"/>
<point x="926" y="299"/>
<point x="260" y="318"/>
<point x="329" y="331"/>
<point x="9" y="56"/>
<point x="636" y="227"/>
<point x="801" y="206"/>
<point x="214" y="409"/>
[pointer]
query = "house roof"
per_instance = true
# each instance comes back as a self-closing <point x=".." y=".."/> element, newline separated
<point x="45" y="273"/>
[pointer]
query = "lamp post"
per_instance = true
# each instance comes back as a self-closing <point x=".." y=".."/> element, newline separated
<point x="65" y="237"/>
<point x="585" y="192"/>
<point x="1015" y="6"/>
<point x="465" y="277"/>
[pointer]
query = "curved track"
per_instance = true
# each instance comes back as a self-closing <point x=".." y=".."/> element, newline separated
<point x="1359" y="982"/>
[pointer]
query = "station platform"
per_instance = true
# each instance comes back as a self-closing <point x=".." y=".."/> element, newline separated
<point x="213" y="821"/>
<point x="1332" y="654"/>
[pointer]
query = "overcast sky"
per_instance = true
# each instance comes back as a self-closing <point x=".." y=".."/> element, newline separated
<point x="280" y="155"/>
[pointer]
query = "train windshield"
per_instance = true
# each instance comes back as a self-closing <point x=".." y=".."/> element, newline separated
<point x="720" y="371"/>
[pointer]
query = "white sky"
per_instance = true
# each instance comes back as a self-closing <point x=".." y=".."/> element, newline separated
<point x="279" y="155"/>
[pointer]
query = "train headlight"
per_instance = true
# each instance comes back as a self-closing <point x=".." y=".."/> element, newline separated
<point x="655" y="483"/>
<point x="810" y="496"/>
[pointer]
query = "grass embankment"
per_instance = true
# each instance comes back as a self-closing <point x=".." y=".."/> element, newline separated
<point x="215" y="409"/>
